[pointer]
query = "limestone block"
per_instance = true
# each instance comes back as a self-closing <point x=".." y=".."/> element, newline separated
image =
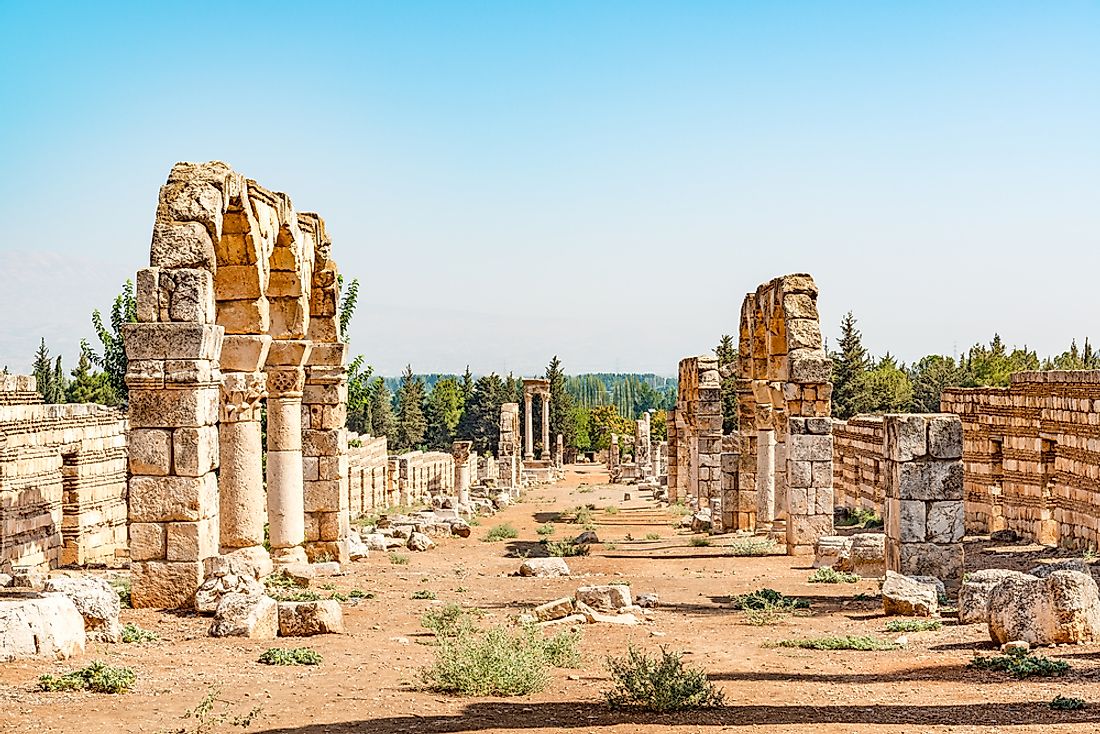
<point x="803" y="334"/>
<point x="333" y="354"/>
<point x="810" y="368"/>
<point x="189" y="294"/>
<point x="147" y="294"/>
<point x="238" y="283"/>
<point x="147" y="541"/>
<point x="800" y="474"/>
<point x="324" y="496"/>
<point x="824" y="501"/>
<point x="977" y="587"/>
<point x="810" y="448"/>
<point x="46" y="626"/>
<point x="798" y="500"/>
<point x="912" y="519"/>
<point x="172" y="341"/>
<point x="192" y="541"/>
<point x="946" y="522"/>
<point x="150" y="451"/>
<point x="245" y="317"/>
<point x="906" y="437"/>
<point x="209" y="595"/>
<point x="189" y="372"/>
<point x="97" y="603"/>
<point x="908" y="597"/>
<point x="195" y="450"/>
<point x="173" y="499"/>
<point x="804" y="530"/>
<point x="819" y="426"/>
<point x="164" y="585"/>
<point x="253" y="616"/>
<point x="1070" y="564"/>
<point x="822" y="475"/>
<point x="929" y="559"/>
<point x="182" y="245"/>
<point x="864" y="555"/>
<point x="827" y="550"/>
<point x="192" y="201"/>
<point x="179" y="408"/>
<point x="556" y="609"/>
<point x="608" y="598"/>
<point x="544" y="567"/>
<point x="1063" y="608"/>
<point x="799" y="306"/>
<point x="305" y="618"/>
<point x="945" y="439"/>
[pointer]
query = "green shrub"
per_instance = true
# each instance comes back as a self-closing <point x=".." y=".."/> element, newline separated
<point x="500" y="532"/>
<point x="495" y="662"/>
<point x="122" y="588"/>
<point x="754" y="547"/>
<point x="866" y="518"/>
<point x="579" y="515"/>
<point x="399" y="559"/>
<point x="659" y="683"/>
<point x="132" y="633"/>
<point x="1061" y="703"/>
<point x="97" y="678"/>
<point x="652" y="536"/>
<point x="565" y="548"/>
<point x="1021" y="665"/>
<point x="293" y="656"/>
<point x="913" y="625"/>
<point x="765" y="598"/>
<point x="828" y="575"/>
<point x="449" y="620"/>
<point x="847" y="642"/>
<point x="562" y="650"/>
<point x="611" y="510"/>
<point x="360" y="594"/>
<point x="545" y="529"/>
<point x="699" y="541"/>
<point x="423" y="594"/>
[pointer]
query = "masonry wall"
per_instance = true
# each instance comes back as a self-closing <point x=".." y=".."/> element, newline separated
<point x="369" y="488"/>
<point x="1031" y="456"/>
<point x="858" y="463"/>
<point x="422" y="475"/>
<point x="62" y="480"/>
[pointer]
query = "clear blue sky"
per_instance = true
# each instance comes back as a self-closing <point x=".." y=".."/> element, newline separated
<point x="603" y="180"/>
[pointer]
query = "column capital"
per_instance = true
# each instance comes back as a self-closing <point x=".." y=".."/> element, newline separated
<point x="241" y="395"/>
<point x="285" y="382"/>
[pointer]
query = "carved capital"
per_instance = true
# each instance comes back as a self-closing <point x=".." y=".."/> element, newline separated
<point x="241" y="396"/>
<point x="286" y="382"/>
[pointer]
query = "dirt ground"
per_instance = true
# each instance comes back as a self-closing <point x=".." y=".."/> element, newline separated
<point x="368" y="680"/>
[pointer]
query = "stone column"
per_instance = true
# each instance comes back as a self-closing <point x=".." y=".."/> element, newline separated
<point x="809" y="483"/>
<point x="241" y="477"/>
<point x="460" y="450"/>
<point x="325" y="453"/>
<point x="560" y="455"/>
<point x="528" y="424"/>
<point x="923" y="513"/>
<point x="544" y="399"/>
<point x="765" y="479"/>
<point x="673" y="447"/>
<point x="285" y="480"/>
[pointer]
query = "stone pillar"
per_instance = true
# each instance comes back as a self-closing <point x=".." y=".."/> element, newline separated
<point x="765" y="479"/>
<point x="559" y="456"/>
<point x="809" y="483"/>
<point x="708" y="420"/>
<point x="508" y="447"/>
<point x="460" y="450"/>
<point x="325" y="454"/>
<point x="241" y="477"/>
<point x="285" y="479"/>
<point x="671" y="456"/>
<point x="528" y="425"/>
<point x="544" y="399"/>
<point x="174" y="382"/>
<point x="923" y="512"/>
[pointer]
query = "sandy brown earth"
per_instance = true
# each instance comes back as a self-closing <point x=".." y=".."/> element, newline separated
<point x="368" y="680"/>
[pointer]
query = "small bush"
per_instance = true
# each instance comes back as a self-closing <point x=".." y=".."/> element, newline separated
<point x="545" y="529"/>
<point x="847" y="642"/>
<point x="563" y="649"/>
<point x="699" y="541"/>
<point x="753" y="547"/>
<point x="866" y="518"/>
<point x="497" y="662"/>
<point x="293" y="656"/>
<point x="1021" y="664"/>
<point x="579" y="515"/>
<point x="828" y="575"/>
<point x="399" y="559"/>
<point x="611" y="510"/>
<point x="97" y="678"/>
<point x="913" y="625"/>
<point x="679" y="508"/>
<point x="566" y="548"/>
<point x="360" y="594"/>
<point x="293" y="593"/>
<point x="122" y="588"/>
<point x="652" y="536"/>
<point x="659" y="683"/>
<point x="501" y="532"/>
<point x="450" y="620"/>
<point x="1061" y="703"/>
<point x="132" y="633"/>
<point x="423" y="594"/>
<point x="764" y="598"/>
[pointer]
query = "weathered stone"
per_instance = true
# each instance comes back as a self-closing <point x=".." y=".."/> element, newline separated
<point x="610" y="597"/>
<point x="244" y="615"/>
<point x="864" y="555"/>
<point x="214" y="589"/>
<point x="588" y="537"/>
<point x="544" y="567"/>
<point x="97" y="603"/>
<point x="828" y="549"/>
<point x="419" y="542"/>
<point x="1062" y="608"/>
<point x="357" y="549"/>
<point x="305" y="618"/>
<point x="40" y="626"/>
<point x="976" y="590"/>
<point x="647" y="601"/>
<point x="1006" y="535"/>
<point x="1069" y="564"/>
<point x="554" y="609"/>
<point x="904" y="596"/>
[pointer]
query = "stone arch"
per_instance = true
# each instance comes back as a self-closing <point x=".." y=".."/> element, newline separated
<point x="224" y="323"/>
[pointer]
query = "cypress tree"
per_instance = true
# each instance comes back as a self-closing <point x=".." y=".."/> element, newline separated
<point x="411" y="424"/>
<point x="850" y="362"/>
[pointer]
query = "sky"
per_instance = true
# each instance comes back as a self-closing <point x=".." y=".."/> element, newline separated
<point x="603" y="181"/>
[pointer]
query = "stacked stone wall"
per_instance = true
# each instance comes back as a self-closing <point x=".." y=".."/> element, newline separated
<point x="422" y="475"/>
<point x="368" y="475"/>
<point x="695" y="436"/>
<point x="1031" y="456"/>
<point x="858" y="463"/>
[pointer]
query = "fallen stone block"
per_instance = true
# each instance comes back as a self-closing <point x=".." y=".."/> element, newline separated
<point x="306" y="618"/>
<point x="357" y="549"/>
<point x="1004" y="536"/>
<point x="607" y="598"/>
<point x="976" y="590"/>
<point x="827" y="550"/>
<point x="375" y="541"/>
<point x="33" y="625"/>
<point x="571" y="619"/>
<point x="97" y="603"/>
<point x="588" y="537"/>
<point x="241" y="615"/>
<point x="864" y="555"/>
<point x="544" y="567"/>
<point x="461" y="528"/>
<point x="1069" y="564"/>
<point x="1062" y="608"/>
<point x="902" y="595"/>
<point x="419" y="542"/>
<point x="647" y="601"/>
<point x="209" y="595"/>
<point x="300" y="573"/>
<point x="555" y="609"/>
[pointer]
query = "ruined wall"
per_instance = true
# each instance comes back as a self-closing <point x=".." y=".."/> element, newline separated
<point x="1031" y="456"/>
<point x="369" y="488"/>
<point x="508" y="448"/>
<point x="62" y="479"/>
<point x="858" y="463"/>
<point x="695" y="435"/>
<point x="424" y="474"/>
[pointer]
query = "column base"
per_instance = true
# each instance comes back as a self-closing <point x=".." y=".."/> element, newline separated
<point x="255" y="555"/>
<point x="327" y="550"/>
<point x="286" y="556"/>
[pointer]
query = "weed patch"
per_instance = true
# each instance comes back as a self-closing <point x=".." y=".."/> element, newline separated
<point x="1021" y="665"/>
<point x="846" y="642"/>
<point x="504" y="531"/>
<point x="1062" y="703"/>
<point x="293" y="656"/>
<point x="659" y="683"/>
<point x="913" y="625"/>
<point x="134" y="634"/>
<point x="753" y="547"/>
<point x="545" y="529"/>
<point x="827" y="575"/>
<point x="399" y="559"/>
<point x="97" y="678"/>
<point x="565" y="548"/>
<point x="423" y="594"/>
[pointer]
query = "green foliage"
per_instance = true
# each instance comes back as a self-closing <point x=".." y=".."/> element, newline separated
<point x="850" y="361"/>
<point x="422" y="594"/>
<point x="113" y="359"/>
<point x="208" y="721"/>
<point x="444" y="409"/>
<point x="860" y="517"/>
<point x="699" y="541"/>
<point x="565" y="548"/>
<point x="411" y="423"/>
<point x="992" y="365"/>
<point x="450" y="620"/>
<point x="562" y="650"/>
<point x="48" y="375"/>
<point x="349" y="298"/>
<point x="768" y="598"/>
<point x="659" y="683"/>
<point x="611" y="510"/>
<point x="121" y="585"/>
<point x="495" y="662"/>
<point x="359" y="397"/>
<point x="658" y="426"/>
<point x="399" y="559"/>
<point x="545" y="529"/>
<point x="652" y="536"/>
<point x="88" y="386"/>
<point x="579" y="515"/>
<point x="882" y="389"/>
<point x="1062" y="703"/>
<point x="97" y="678"/>
<point x="828" y="575"/>
<point x="503" y="531"/>
<point x="292" y="656"/>
<point x="753" y="547"/>
<point x="630" y="394"/>
<point x="845" y="642"/>
<point x="929" y="377"/>
<point x="1020" y="664"/>
<point x="135" y="634"/>
<point x="561" y="407"/>
<point x="480" y="421"/>
<point x="604" y="420"/>
<point x="382" y="420"/>
<point x="913" y="625"/>
<point x="726" y="352"/>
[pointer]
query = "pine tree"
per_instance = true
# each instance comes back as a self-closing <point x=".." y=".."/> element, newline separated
<point x="444" y="409"/>
<point x="42" y="369"/>
<point x="88" y="386"/>
<point x="411" y="423"/>
<point x="58" y="383"/>
<point x="727" y="368"/>
<point x="467" y="385"/>
<point x="561" y="407"/>
<point x="480" y="421"/>
<point x="382" y="421"/>
<point x="113" y="360"/>
<point x="850" y="361"/>
<point x="929" y="377"/>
